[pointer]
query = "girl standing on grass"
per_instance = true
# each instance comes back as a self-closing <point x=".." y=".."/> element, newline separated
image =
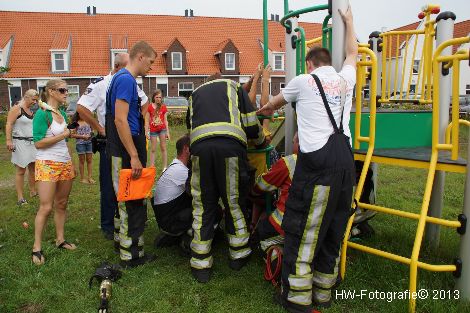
<point x="84" y="150"/>
<point x="156" y="124"/>
<point x="54" y="167"/>
<point x="19" y="134"/>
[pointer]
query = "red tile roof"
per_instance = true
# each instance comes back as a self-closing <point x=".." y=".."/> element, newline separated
<point x="4" y="38"/>
<point x="221" y="46"/>
<point x="461" y="29"/>
<point x="402" y="39"/>
<point x="118" y="41"/>
<point x="90" y="35"/>
<point x="60" y="41"/>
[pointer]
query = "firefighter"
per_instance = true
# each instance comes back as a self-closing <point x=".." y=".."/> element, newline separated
<point x="319" y="202"/>
<point x="221" y="120"/>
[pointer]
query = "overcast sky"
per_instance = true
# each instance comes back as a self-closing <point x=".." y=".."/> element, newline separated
<point x="369" y="15"/>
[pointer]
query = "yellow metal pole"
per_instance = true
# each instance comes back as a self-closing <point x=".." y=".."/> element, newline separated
<point x="370" y="150"/>
<point x="389" y="81"/>
<point x="412" y="66"/>
<point x="420" y="80"/>
<point x="455" y="109"/>
<point x="384" y="70"/>
<point x="397" y="60"/>
<point x="404" y="66"/>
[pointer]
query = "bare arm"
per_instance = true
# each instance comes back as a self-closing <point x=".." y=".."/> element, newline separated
<point x="49" y="141"/>
<point x="124" y="132"/>
<point x="147" y="124"/>
<point x="11" y="119"/>
<point x="88" y="117"/>
<point x="273" y="104"/>
<point x="166" y="125"/>
<point x="351" y="43"/>
<point x="254" y="85"/>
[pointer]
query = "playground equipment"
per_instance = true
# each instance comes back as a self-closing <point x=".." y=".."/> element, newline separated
<point x="434" y="142"/>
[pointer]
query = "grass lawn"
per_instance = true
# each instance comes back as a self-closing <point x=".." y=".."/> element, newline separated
<point x="61" y="285"/>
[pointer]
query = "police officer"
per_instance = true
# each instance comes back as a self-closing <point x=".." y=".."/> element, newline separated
<point x="94" y="100"/>
<point x="319" y="202"/>
<point x="127" y="147"/>
<point x="221" y="120"/>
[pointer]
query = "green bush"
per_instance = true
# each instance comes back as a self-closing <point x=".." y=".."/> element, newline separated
<point x="176" y="118"/>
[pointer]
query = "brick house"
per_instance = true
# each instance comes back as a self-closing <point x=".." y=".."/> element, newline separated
<point x="81" y="47"/>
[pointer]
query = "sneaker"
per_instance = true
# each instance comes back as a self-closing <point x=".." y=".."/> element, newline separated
<point x="22" y="202"/>
<point x="238" y="264"/>
<point x="202" y="275"/>
<point x="165" y="240"/>
<point x="148" y="258"/>
<point x="362" y="231"/>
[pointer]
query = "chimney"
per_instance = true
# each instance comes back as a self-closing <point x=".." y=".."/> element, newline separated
<point x="88" y="11"/>
<point x="191" y="13"/>
<point x="277" y="17"/>
<point x="94" y="10"/>
<point x="186" y="13"/>
<point x="272" y="17"/>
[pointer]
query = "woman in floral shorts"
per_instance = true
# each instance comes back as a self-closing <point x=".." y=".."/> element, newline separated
<point x="54" y="168"/>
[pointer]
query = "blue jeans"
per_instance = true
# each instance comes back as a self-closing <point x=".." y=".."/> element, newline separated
<point x="108" y="202"/>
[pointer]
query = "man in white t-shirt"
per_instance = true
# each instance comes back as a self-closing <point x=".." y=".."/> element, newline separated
<point x="94" y="100"/>
<point x="319" y="202"/>
<point x="172" y="201"/>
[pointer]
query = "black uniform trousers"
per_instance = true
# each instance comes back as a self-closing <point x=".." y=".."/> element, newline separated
<point x="317" y="212"/>
<point x="219" y="171"/>
<point x="132" y="214"/>
<point x="174" y="217"/>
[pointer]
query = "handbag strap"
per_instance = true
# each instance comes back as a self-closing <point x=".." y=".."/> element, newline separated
<point x="339" y="130"/>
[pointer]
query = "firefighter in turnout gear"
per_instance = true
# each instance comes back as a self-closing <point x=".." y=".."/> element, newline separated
<point x="221" y="120"/>
<point x="319" y="202"/>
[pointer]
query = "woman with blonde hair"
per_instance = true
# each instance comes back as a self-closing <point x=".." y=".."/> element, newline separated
<point x="19" y="135"/>
<point x="54" y="167"/>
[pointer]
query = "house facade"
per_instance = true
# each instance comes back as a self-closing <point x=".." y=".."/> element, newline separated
<point x="38" y="46"/>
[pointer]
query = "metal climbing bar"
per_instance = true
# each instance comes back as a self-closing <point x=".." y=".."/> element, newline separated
<point x="326" y="33"/>
<point x="301" y="11"/>
<point x="300" y="53"/>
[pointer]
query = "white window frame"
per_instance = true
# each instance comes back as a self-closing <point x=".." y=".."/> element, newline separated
<point x="9" y="92"/>
<point x="113" y="55"/>
<point x="416" y="63"/>
<point x="227" y="68"/>
<point x="185" y="89"/>
<point x="282" y="86"/>
<point x="173" y="54"/>
<point x="467" y="89"/>
<point x="73" y="93"/>
<point x="66" y="63"/>
<point x="282" y="62"/>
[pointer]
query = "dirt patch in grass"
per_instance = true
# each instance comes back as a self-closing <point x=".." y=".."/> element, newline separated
<point x="31" y="308"/>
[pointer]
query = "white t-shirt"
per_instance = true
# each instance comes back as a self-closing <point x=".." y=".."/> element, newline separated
<point x="94" y="98"/>
<point x="314" y="125"/>
<point x="172" y="182"/>
<point x="59" y="151"/>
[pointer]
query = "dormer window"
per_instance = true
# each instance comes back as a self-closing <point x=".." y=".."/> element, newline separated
<point x="230" y="61"/>
<point x="176" y="61"/>
<point x="278" y="61"/>
<point x="59" y="61"/>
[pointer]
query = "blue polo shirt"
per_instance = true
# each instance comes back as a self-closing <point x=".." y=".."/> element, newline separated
<point x="124" y="87"/>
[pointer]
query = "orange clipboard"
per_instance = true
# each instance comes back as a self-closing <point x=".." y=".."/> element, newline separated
<point x="134" y="189"/>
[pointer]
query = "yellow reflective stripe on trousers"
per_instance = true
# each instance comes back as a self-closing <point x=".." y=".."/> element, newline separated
<point x="116" y="164"/>
<point x="321" y="295"/>
<point x="312" y="228"/>
<point x="290" y="161"/>
<point x="326" y="281"/>
<point x="239" y="254"/>
<point x="201" y="263"/>
<point x="197" y="201"/>
<point x="238" y="241"/>
<point x="201" y="247"/>
<point x="302" y="298"/>
<point x="232" y="174"/>
<point x="217" y="129"/>
<point x="249" y="119"/>
<point x="300" y="282"/>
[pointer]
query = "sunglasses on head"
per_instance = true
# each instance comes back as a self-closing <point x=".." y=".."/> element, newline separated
<point x="62" y="90"/>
